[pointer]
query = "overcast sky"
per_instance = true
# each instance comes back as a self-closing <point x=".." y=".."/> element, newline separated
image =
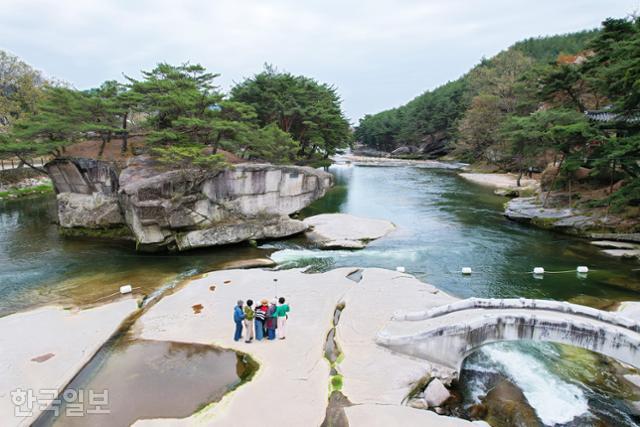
<point x="378" y="53"/>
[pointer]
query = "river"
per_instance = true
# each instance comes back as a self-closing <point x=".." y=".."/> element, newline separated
<point x="444" y="224"/>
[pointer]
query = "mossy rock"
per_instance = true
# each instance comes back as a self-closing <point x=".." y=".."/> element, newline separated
<point x="112" y="233"/>
<point x="546" y="223"/>
<point x="418" y="387"/>
<point x="336" y="383"/>
<point x="16" y="193"/>
<point x="507" y="406"/>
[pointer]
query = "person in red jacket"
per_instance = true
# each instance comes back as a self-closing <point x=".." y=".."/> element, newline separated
<point x="260" y="317"/>
<point x="272" y="320"/>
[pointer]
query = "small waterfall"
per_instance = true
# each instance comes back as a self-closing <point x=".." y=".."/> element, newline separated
<point x="554" y="400"/>
<point x="564" y="385"/>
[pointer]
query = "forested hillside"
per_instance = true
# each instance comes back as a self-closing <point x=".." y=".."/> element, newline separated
<point x="568" y="103"/>
<point x="437" y="114"/>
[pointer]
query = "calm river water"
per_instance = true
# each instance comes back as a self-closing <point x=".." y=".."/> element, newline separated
<point x="444" y="224"/>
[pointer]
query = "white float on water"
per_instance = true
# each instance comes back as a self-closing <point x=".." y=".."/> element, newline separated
<point x="400" y="269"/>
<point x="466" y="270"/>
<point x="538" y="270"/>
<point x="126" y="289"/>
<point x="582" y="269"/>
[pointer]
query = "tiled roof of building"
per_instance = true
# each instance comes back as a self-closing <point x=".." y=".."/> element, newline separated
<point x="606" y="116"/>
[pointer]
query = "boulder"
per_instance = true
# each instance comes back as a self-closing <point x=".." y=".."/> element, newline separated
<point x="436" y="393"/>
<point x="345" y="231"/>
<point x="92" y="211"/>
<point x="418" y="403"/>
<point x="434" y="145"/>
<point x="507" y="406"/>
<point x="187" y="208"/>
<point x="402" y="150"/>
<point x="582" y="173"/>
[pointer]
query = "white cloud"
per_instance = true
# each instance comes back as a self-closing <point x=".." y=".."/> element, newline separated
<point x="379" y="53"/>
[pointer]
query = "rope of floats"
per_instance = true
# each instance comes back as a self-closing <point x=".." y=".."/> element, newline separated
<point x="538" y="272"/>
<point x="581" y="270"/>
<point x="124" y="289"/>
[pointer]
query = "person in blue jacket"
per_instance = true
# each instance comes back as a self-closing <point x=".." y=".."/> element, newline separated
<point x="238" y="317"/>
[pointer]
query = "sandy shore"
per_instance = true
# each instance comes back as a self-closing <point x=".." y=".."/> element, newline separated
<point x="293" y="379"/>
<point x="43" y="349"/>
<point x="501" y="181"/>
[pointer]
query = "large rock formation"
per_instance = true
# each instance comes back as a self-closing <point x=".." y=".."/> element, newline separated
<point x="186" y="208"/>
<point x="571" y="221"/>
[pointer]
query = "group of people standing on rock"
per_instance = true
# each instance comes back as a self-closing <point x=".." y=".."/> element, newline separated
<point x="267" y="320"/>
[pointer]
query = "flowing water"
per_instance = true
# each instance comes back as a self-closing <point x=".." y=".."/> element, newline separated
<point x="39" y="266"/>
<point x="565" y="385"/>
<point x="443" y="224"/>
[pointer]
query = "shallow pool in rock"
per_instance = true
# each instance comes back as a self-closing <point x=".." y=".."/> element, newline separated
<point x="150" y="379"/>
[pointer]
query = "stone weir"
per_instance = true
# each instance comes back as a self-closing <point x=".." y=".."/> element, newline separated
<point x="185" y="208"/>
<point x="448" y="334"/>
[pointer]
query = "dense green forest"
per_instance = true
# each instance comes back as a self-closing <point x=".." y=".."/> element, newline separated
<point x="184" y="119"/>
<point x="569" y="101"/>
<point x="547" y="49"/>
<point x="441" y="110"/>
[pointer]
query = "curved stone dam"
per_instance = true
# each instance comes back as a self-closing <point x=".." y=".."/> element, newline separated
<point x="448" y="334"/>
<point x="180" y="209"/>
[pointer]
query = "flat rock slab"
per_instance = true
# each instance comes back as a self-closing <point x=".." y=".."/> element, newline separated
<point x="293" y="378"/>
<point x="623" y="253"/>
<point x="610" y="244"/>
<point x="501" y="181"/>
<point x="43" y="349"/>
<point x="371" y="415"/>
<point x="249" y="263"/>
<point x="346" y="231"/>
<point x="372" y="373"/>
<point x="528" y="208"/>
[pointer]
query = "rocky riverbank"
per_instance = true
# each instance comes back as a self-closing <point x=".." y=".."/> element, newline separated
<point x="16" y="183"/>
<point x="607" y="231"/>
<point x="364" y="160"/>
<point x="504" y="184"/>
<point x="182" y="209"/>
<point x="527" y="206"/>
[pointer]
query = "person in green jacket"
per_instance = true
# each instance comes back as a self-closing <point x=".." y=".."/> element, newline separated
<point x="282" y="311"/>
<point x="248" y="320"/>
